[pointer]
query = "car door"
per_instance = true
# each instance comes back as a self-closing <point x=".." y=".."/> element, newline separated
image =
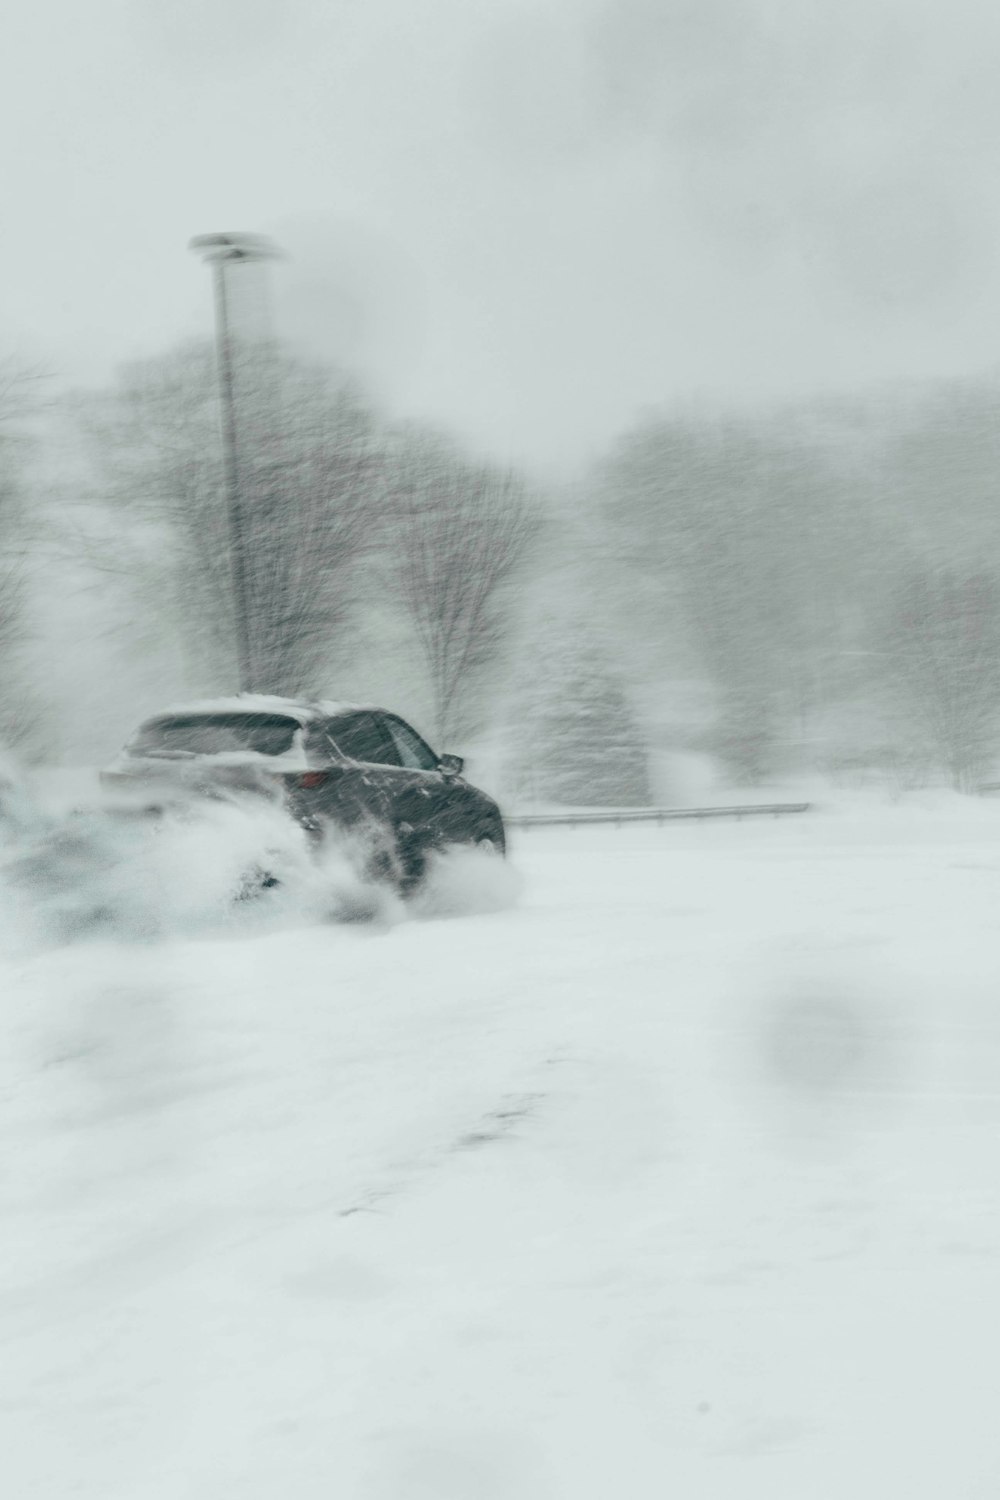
<point x="396" y="776"/>
<point x="440" y="804"/>
<point x="385" y="772"/>
<point x="363" y="752"/>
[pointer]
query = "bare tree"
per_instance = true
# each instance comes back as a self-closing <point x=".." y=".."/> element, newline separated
<point x="459" y="532"/>
<point x="309" y="478"/>
<point x="941" y="649"/>
<point x="21" y="708"/>
<point x="753" y="537"/>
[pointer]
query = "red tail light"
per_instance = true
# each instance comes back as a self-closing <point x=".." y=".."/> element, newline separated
<point x="310" y="779"/>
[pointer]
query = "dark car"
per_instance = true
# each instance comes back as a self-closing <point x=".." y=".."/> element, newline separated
<point x="334" y="766"/>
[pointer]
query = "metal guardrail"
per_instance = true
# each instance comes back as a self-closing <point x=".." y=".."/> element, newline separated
<point x="655" y="814"/>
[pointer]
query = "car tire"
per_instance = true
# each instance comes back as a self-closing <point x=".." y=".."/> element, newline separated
<point x="412" y="855"/>
<point x="386" y="860"/>
<point x="254" y="883"/>
<point x="486" y="841"/>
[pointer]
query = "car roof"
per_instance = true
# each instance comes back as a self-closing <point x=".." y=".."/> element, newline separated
<point x="303" y="709"/>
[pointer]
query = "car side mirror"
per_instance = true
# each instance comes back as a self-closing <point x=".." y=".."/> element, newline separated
<point x="450" y="765"/>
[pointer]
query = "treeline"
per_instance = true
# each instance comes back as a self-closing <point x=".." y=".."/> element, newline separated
<point x="832" y="571"/>
<point x="825" y="575"/>
<point x="23" y="704"/>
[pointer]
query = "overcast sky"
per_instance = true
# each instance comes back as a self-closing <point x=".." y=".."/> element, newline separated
<point x="525" y="218"/>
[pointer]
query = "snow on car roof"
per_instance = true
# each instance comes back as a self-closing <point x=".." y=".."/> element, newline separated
<point x="260" y="703"/>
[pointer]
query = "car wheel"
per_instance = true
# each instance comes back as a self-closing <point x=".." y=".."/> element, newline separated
<point x="254" y="883"/>
<point x="385" y="860"/>
<point x="413" y="853"/>
<point x="486" y="841"/>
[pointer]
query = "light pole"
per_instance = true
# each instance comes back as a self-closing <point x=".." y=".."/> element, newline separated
<point x="220" y="251"/>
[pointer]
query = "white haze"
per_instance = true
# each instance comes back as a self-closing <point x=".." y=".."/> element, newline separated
<point x="522" y="220"/>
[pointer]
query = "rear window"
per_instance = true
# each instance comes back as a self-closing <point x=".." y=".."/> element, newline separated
<point x="216" y="734"/>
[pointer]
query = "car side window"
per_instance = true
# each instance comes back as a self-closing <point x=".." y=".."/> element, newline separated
<point x="362" y="737"/>
<point x="413" y="752"/>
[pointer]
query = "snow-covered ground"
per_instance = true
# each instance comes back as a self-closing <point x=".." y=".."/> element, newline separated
<point x="673" y="1173"/>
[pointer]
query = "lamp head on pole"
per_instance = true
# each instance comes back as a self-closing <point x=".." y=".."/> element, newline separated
<point x="239" y="246"/>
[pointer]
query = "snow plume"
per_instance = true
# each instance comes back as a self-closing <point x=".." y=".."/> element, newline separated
<point x="221" y="867"/>
<point x="102" y="874"/>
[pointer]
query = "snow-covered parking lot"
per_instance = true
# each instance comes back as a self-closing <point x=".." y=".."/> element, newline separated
<point x="676" y="1173"/>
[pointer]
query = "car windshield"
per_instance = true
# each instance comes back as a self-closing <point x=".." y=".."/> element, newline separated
<point x="216" y="734"/>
